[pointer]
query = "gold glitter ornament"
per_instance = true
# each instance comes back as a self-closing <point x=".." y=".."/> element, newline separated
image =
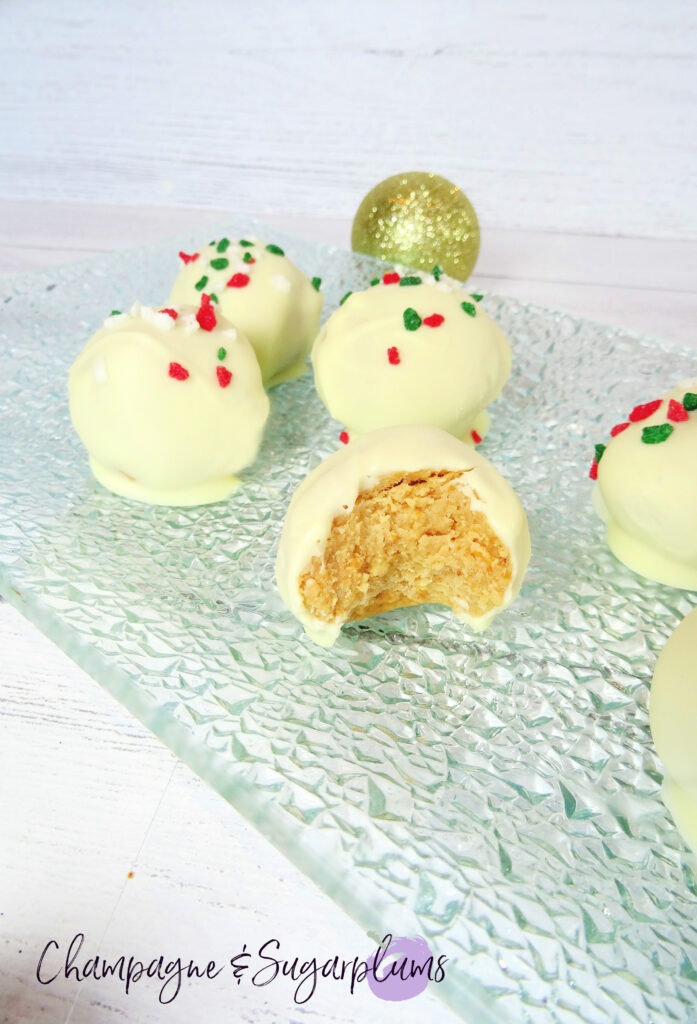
<point x="421" y="220"/>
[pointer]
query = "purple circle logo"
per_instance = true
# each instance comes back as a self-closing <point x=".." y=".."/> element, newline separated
<point x="401" y="968"/>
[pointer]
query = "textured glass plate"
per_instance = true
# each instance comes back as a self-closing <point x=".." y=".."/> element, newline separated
<point x="497" y="793"/>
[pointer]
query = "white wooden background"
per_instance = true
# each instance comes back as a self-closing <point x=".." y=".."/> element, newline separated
<point x="575" y="116"/>
<point x="572" y="128"/>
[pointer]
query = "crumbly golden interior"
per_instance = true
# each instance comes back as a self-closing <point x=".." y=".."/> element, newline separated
<point x="411" y="539"/>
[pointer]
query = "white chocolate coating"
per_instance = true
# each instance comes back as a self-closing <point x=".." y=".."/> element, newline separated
<point x="446" y="375"/>
<point x="647" y="495"/>
<point x="673" y="719"/>
<point x="332" y="487"/>
<point x="278" y="308"/>
<point x="154" y="434"/>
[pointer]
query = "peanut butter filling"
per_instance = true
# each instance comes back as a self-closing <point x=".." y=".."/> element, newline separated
<point x="412" y="539"/>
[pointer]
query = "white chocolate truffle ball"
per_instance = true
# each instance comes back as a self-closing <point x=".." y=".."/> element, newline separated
<point x="647" y="488"/>
<point x="401" y="516"/>
<point x="673" y="719"/>
<point x="259" y="290"/>
<point x="421" y="352"/>
<point x="169" y="404"/>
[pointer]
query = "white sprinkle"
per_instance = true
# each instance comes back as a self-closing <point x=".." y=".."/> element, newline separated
<point x="230" y="333"/>
<point x="443" y="286"/>
<point x="118" y="320"/>
<point x="148" y="314"/>
<point x="162" y="321"/>
<point x="165" y="321"/>
<point x="136" y="309"/>
<point x="99" y="371"/>
<point x="189" y="322"/>
<point x="217" y="279"/>
<point x="281" y="282"/>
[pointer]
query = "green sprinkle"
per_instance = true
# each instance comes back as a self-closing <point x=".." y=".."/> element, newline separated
<point x="437" y="272"/>
<point x="412" y="320"/>
<point x="222" y="353"/>
<point x="223" y="244"/>
<point x="213" y="297"/>
<point x="275" y="249"/>
<point x="376" y="280"/>
<point x="477" y="296"/>
<point x="405" y="281"/>
<point x="316" y="283"/>
<point x="245" y="244"/>
<point x="599" y="452"/>
<point x="657" y="434"/>
<point x="248" y="258"/>
<point x="690" y="401"/>
<point x="345" y="298"/>
<point x="212" y="243"/>
<point x="220" y="264"/>
<point x="469" y="308"/>
<point x="201" y="283"/>
<point x="115" y="312"/>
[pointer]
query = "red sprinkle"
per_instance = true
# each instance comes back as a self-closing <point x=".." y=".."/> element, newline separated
<point x="434" y="320"/>
<point x="224" y="376"/>
<point x="618" y="428"/>
<point x="393" y="278"/>
<point x="343" y="437"/>
<point x="677" y="413"/>
<point x="642" y="412"/>
<point x="177" y="371"/>
<point x="593" y="474"/>
<point x="393" y="355"/>
<point x="206" y="314"/>
<point x="477" y="438"/>
<point x="238" y="281"/>
<point x="170" y="312"/>
<point x="185" y="258"/>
